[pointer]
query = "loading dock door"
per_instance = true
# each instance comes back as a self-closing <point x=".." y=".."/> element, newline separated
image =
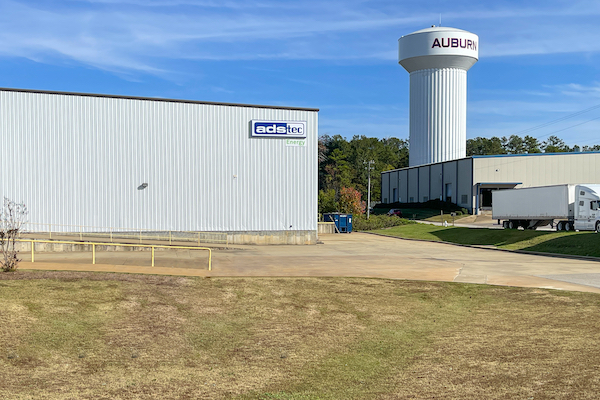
<point x="485" y="192"/>
<point x="486" y="197"/>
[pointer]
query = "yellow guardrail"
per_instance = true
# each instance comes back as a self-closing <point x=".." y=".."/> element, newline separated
<point x="94" y="244"/>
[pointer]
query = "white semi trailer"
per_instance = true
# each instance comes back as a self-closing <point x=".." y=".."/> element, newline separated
<point x="573" y="207"/>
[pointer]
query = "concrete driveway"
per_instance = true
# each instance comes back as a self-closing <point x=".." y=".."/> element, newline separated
<point x="355" y="255"/>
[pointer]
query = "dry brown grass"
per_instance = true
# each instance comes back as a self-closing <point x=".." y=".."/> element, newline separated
<point x="66" y="335"/>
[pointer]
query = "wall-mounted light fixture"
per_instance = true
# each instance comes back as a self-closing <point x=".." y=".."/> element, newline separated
<point x="143" y="186"/>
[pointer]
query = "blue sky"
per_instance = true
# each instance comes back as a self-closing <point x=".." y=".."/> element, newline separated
<point x="539" y="60"/>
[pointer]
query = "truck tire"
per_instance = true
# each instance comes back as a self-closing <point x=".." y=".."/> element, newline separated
<point x="512" y="225"/>
<point x="598" y="227"/>
<point x="505" y="224"/>
<point x="567" y="226"/>
<point x="560" y="226"/>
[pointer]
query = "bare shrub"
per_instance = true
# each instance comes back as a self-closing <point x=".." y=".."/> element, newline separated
<point x="12" y="217"/>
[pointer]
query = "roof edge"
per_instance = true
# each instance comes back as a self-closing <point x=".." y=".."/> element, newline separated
<point x="114" y="96"/>
<point x="496" y="155"/>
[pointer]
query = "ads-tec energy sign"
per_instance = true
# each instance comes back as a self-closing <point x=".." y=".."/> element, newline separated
<point x="279" y="129"/>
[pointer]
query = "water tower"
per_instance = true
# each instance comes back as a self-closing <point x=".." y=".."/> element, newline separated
<point x="438" y="59"/>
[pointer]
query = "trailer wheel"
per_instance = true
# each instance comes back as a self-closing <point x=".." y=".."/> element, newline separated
<point x="567" y="226"/>
<point x="505" y="224"/>
<point x="511" y="224"/>
<point x="560" y="226"/>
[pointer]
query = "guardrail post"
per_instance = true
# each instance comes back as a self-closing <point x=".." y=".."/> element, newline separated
<point x="152" y="247"/>
<point x="170" y="237"/>
<point x="111" y="239"/>
<point x="50" y="230"/>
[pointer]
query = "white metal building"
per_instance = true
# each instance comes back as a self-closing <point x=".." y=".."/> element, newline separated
<point x="99" y="161"/>
<point x="468" y="182"/>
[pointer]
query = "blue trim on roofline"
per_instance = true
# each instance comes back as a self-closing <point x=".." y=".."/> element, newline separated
<point x="499" y="183"/>
<point x="495" y="155"/>
<point x="537" y="154"/>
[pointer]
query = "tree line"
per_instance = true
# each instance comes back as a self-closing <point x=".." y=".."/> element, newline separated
<point x="344" y="165"/>
<point x="515" y="144"/>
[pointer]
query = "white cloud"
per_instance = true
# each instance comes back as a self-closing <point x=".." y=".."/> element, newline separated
<point x="146" y="36"/>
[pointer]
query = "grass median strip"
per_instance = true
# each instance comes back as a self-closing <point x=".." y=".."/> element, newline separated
<point x="569" y="243"/>
<point x="89" y="335"/>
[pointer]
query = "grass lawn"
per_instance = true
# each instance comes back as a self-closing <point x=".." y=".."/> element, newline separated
<point x="574" y="243"/>
<point x="428" y="214"/>
<point x="66" y="335"/>
<point x="446" y="217"/>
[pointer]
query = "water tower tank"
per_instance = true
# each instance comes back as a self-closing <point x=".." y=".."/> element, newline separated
<point x="438" y="59"/>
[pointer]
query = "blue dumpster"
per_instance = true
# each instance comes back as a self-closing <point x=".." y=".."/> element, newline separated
<point x="343" y="222"/>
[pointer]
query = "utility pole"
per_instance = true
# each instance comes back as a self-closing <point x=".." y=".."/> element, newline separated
<point x="368" y="166"/>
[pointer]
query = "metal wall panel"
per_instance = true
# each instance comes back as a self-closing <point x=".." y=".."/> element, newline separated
<point x="538" y="170"/>
<point x="386" y="186"/>
<point x="436" y="184"/>
<point x="79" y="160"/>
<point x="465" y="183"/>
<point x="413" y="185"/>
<point x="449" y="178"/>
<point x="423" y="184"/>
<point x="438" y="115"/>
<point x="403" y="184"/>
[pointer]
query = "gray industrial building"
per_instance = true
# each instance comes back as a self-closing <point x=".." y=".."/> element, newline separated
<point x="468" y="182"/>
<point x="437" y="60"/>
<point x="101" y="162"/>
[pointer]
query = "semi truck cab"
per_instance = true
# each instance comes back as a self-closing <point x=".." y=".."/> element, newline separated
<point x="587" y="204"/>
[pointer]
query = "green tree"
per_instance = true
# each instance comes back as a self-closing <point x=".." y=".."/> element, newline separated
<point x="531" y="145"/>
<point x="513" y="144"/>
<point x="327" y="201"/>
<point x="554" y="144"/>
<point x="591" y="148"/>
<point x="342" y="163"/>
<point x="481" y="146"/>
<point x="338" y="171"/>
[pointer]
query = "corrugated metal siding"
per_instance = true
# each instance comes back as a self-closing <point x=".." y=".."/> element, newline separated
<point x="79" y="160"/>
<point x="436" y="184"/>
<point x="539" y="170"/>
<point x="386" y="187"/>
<point x="465" y="183"/>
<point x="413" y="185"/>
<point x="423" y="184"/>
<point x="438" y="115"/>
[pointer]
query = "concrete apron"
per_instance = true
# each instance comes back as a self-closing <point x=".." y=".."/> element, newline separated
<point x="361" y="255"/>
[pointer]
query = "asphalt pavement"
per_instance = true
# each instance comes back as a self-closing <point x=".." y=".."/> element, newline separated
<point x="349" y="255"/>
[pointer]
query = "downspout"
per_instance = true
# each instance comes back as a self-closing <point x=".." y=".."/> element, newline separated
<point x="477" y="201"/>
